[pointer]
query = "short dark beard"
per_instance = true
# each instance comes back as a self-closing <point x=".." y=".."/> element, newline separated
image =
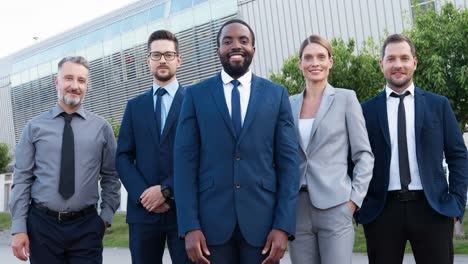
<point x="163" y="78"/>
<point x="401" y="85"/>
<point x="236" y="71"/>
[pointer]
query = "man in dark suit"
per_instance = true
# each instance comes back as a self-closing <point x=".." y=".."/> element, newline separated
<point x="235" y="161"/>
<point x="409" y="197"/>
<point x="145" y="156"/>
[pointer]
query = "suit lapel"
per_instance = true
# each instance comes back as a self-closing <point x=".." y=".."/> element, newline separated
<point x="173" y="113"/>
<point x="148" y="115"/>
<point x="419" y="106"/>
<point x="383" y="118"/>
<point x="217" y="90"/>
<point x="254" y="101"/>
<point x="328" y="98"/>
<point x="296" y="106"/>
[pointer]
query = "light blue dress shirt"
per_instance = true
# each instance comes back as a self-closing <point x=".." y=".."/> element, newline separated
<point x="167" y="99"/>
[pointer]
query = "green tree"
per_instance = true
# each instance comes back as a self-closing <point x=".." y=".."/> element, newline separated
<point x="358" y="71"/>
<point x="115" y="126"/>
<point x="441" y="44"/>
<point x="5" y="157"/>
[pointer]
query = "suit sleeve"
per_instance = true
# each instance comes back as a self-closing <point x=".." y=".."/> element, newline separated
<point x="287" y="168"/>
<point x="125" y="159"/>
<point x="186" y="165"/>
<point x="456" y="158"/>
<point x="361" y="153"/>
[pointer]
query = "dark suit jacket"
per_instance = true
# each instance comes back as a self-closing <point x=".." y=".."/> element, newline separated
<point x="437" y="133"/>
<point x="145" y="158"/>
<point x="221" y="180"/>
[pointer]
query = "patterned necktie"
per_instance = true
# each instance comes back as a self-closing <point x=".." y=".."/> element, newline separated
<point x="67" y="163"/>
<point x="405" y="175"/>
<point x="236" y="108"/>
<point x="157" y="110"/>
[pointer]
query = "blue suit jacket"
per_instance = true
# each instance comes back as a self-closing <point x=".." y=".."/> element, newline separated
<point x="437" y="133"/>
<point x="144" y="157"/>
<point x="221" y="180"/>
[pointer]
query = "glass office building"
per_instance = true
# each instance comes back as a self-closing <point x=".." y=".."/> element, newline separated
<point x="115" y="46"/>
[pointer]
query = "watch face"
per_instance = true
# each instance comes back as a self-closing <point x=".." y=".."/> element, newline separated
<point x="166" y="192"/>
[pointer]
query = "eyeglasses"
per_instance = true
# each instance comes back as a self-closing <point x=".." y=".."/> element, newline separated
<point x="169" y="55"/>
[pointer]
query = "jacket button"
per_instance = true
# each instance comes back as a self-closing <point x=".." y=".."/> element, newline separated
<point x="237" y="186"/>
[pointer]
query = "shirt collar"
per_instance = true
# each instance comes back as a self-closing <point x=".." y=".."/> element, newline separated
<point x="244" y="79"/>
<point x="389" y="90"/>
<point x="171" y="88"/>
<point x="57" y="110"/>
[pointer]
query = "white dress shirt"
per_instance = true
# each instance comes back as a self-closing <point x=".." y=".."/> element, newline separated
<point x="244" y="91"/>
<point x="305" y="128"/>
<point x="392" y="114"/>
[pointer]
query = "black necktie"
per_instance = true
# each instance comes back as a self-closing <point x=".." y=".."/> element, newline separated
<point x="405" y="176"/>
<point x="235" y="107"/>
<point x="67" y="164"/>
<point x="157" y="110"/>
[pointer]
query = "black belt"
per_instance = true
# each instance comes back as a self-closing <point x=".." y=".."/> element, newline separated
<point x="303" y="188"/>
<point x="404" y="196"/>
<point x="65" y="216"/>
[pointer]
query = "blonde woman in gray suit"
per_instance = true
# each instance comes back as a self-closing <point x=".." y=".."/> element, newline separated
<point x="329" y="124"/>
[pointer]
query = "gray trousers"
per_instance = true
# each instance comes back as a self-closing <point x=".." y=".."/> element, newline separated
<point x="323" y="236"/>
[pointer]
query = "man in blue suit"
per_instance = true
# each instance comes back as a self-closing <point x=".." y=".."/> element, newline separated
<point x="409" y="197"/>
<point x="235" y="161"/>
<point x="145" y="156"/>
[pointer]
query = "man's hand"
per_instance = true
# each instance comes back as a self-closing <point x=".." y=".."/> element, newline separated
<point x="20" y="246"/>
<point x="195" y="245"/>
<point x="161" y="209"/>
<point x="276" y="244"/>
<point x="152" y="198"/>
<point x="352" y="206"/>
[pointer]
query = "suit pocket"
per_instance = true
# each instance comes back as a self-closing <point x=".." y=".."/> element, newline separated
<point x="269" y="185"/>
<point x="205" y="184"/>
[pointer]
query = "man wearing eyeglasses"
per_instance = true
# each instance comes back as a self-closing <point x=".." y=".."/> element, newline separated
<point x="145" y="156"/>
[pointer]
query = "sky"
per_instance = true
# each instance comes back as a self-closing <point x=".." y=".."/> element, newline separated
<point x="23" y="20"/>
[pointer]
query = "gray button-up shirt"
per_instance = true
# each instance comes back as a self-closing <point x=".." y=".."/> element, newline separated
<point x="37" y="167"/>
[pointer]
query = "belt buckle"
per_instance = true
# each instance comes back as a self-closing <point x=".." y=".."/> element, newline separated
<point x="60" y="215"/>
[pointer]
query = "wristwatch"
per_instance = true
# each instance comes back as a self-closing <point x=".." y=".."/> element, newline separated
<point x="166" y="191"/>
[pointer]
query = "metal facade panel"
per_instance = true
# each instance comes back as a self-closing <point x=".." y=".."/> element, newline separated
<point x="281" y="26"/>
<point x="6" y="117"/>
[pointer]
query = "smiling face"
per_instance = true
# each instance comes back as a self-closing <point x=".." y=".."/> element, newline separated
<point x="236" y="49"/>
<point x="398" y="66"/>
<point x="315" y="63"/>
<point x="163" y="70"/>
<point x="71" y="84"/>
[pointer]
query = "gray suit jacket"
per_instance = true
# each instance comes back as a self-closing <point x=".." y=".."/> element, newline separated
<point x="339" y="127"/>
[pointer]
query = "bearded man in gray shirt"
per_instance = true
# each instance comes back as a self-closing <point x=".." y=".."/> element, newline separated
<point x="60" y="158"/>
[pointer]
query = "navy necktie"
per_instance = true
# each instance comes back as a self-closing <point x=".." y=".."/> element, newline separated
<point x="236" y="108"/>
<point x="157" y="110"/>
<point x="403" y="160"/>
<point x="67" y="162"/>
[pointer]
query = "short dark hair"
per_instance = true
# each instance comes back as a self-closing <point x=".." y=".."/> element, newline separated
<point x="74" y="59"/>
<point x="317" y="40"/>
<point x="234" y="21"/>
<point x="397" y="38"/>
<point x="163" y="35"/>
